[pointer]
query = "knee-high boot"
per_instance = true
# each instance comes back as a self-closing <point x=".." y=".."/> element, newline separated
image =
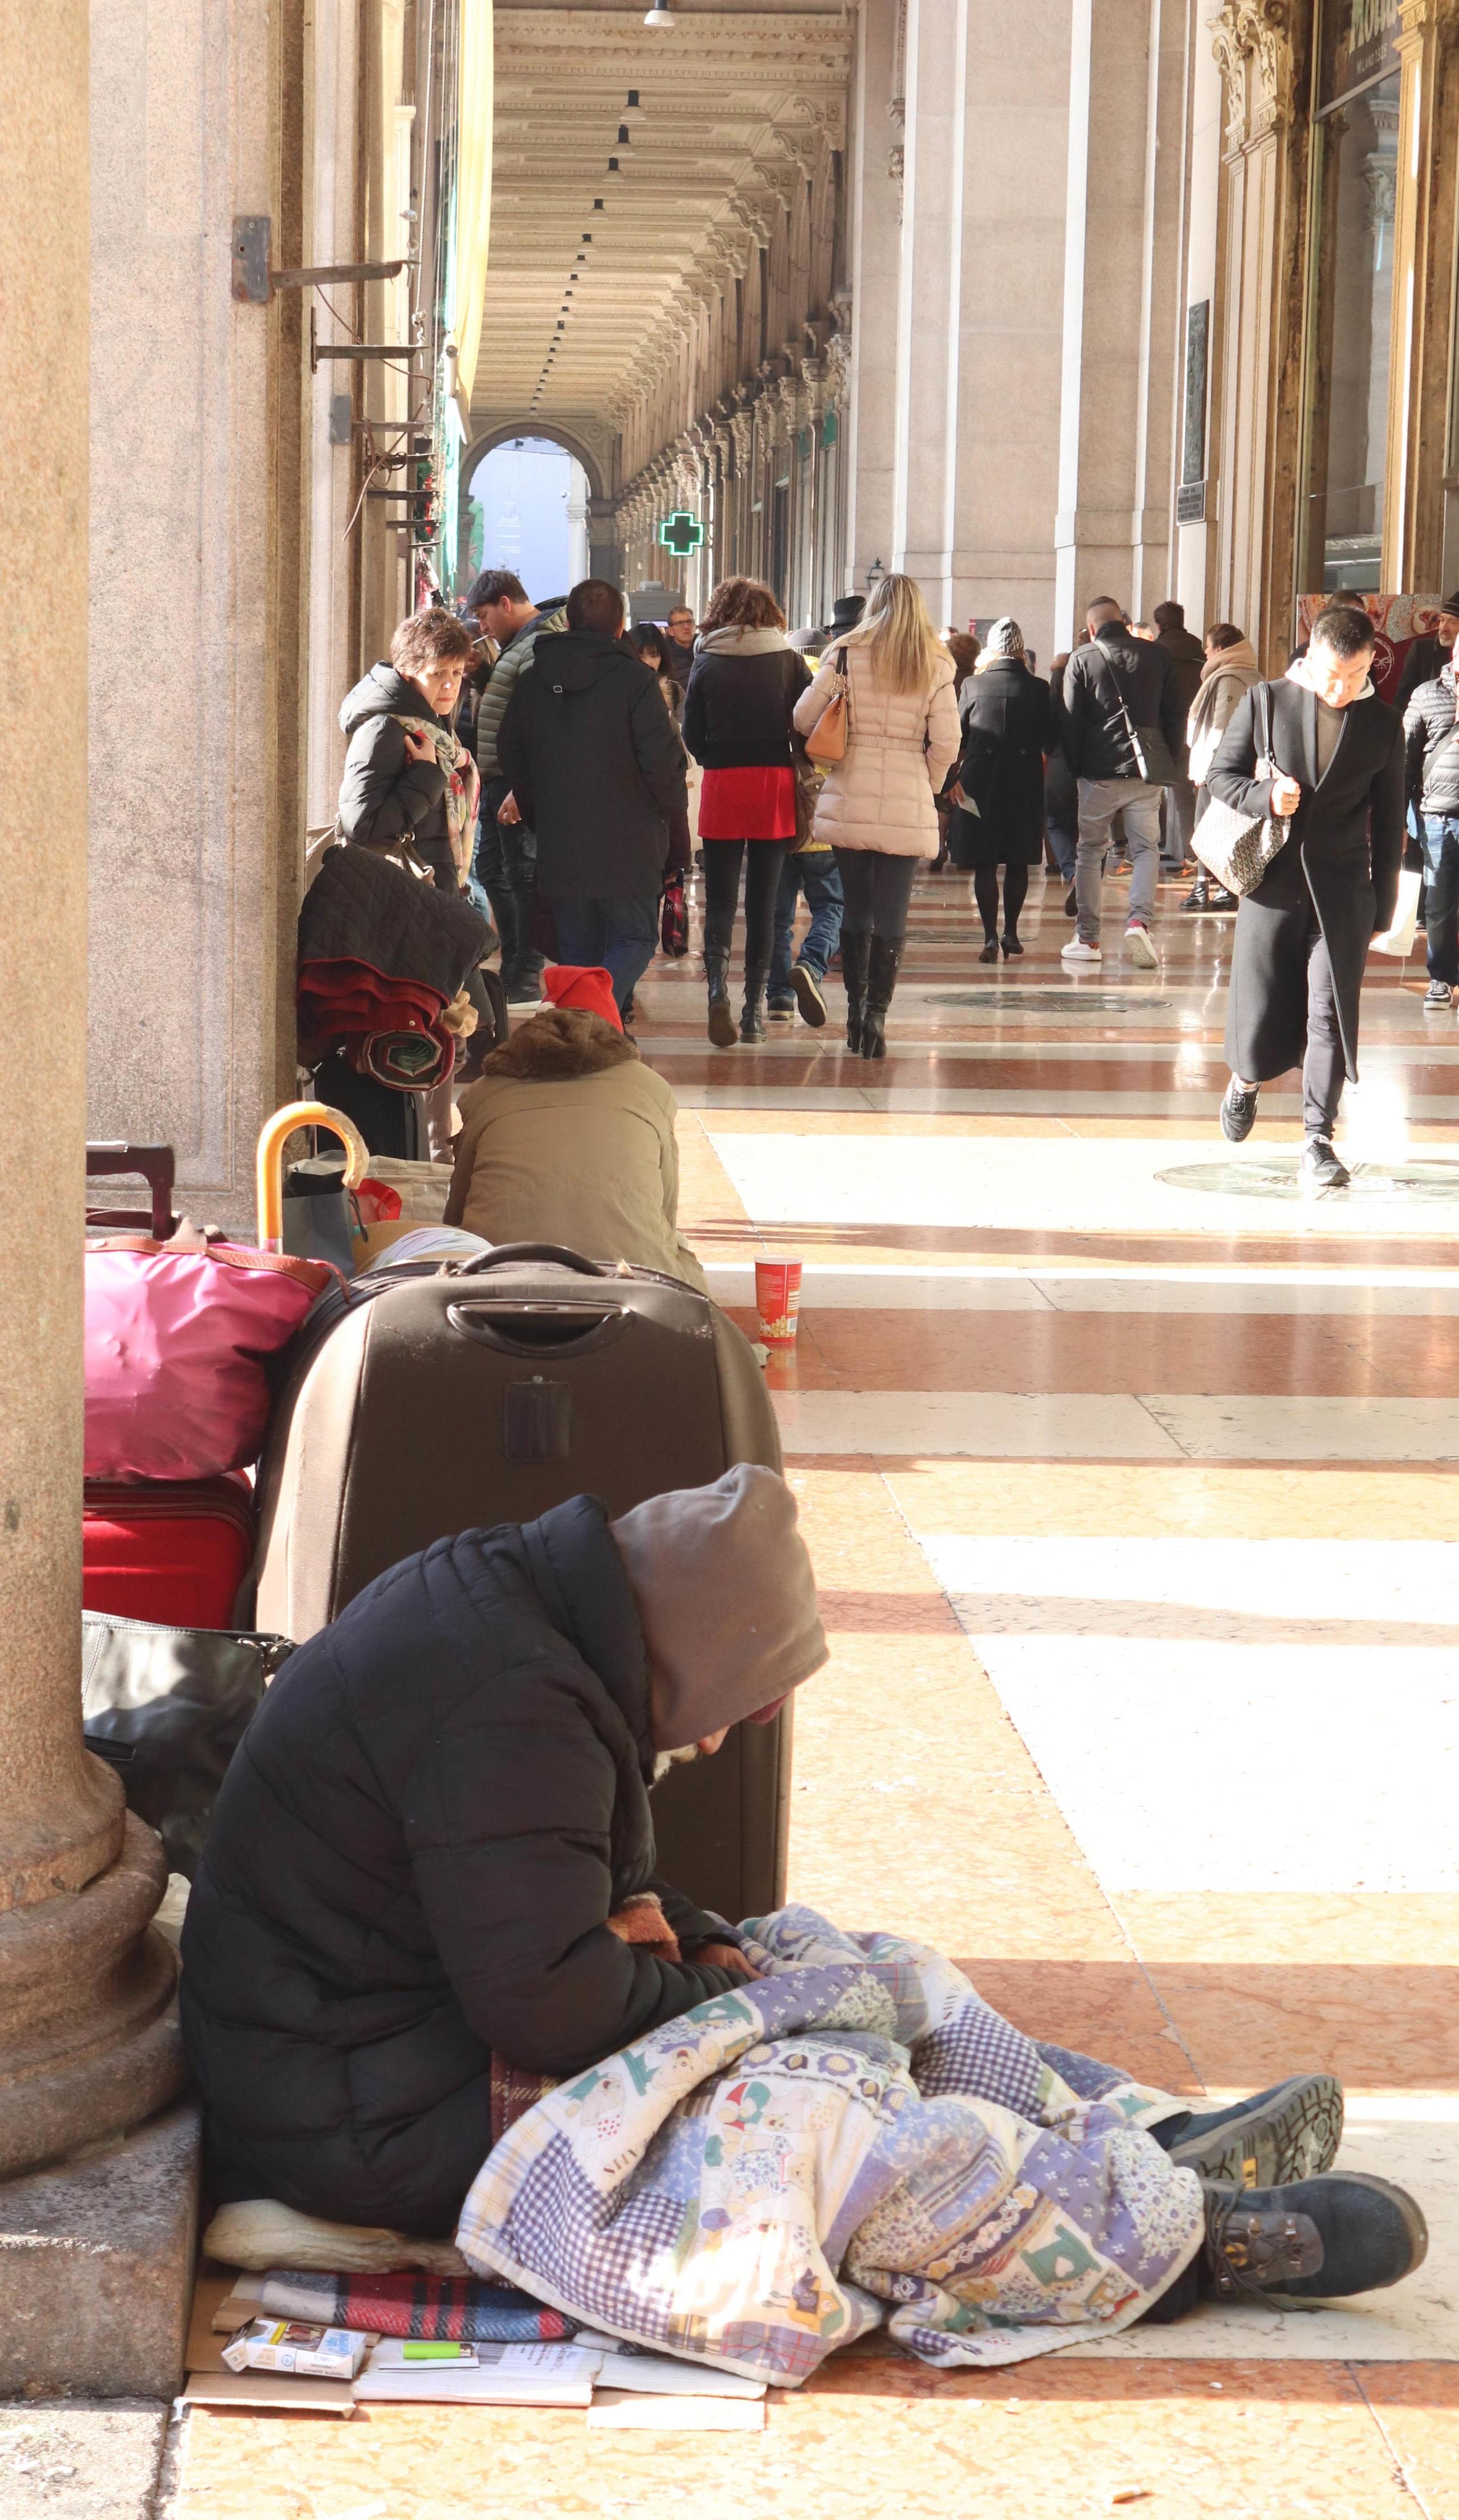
<point x="885" y="961"/>
<point x="854" y="951"/>
<point x="721" y="1020"/>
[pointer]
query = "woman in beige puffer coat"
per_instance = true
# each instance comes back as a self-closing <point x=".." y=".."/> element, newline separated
<point x="878" y="807"/>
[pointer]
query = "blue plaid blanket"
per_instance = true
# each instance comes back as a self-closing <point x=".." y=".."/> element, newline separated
<point x="854" y="2138"/>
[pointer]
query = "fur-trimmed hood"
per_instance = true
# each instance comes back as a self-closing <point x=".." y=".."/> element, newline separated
<point x="562" y="1041"/>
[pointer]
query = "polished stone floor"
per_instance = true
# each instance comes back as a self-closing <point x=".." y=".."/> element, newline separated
<point x="1129" y="1479"/>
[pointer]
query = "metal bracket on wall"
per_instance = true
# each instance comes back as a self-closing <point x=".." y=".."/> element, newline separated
<point x="254" y="281"/>
<point x="356" y="350"/>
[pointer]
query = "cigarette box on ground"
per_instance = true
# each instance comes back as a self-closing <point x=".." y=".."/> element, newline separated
<point x="293" y="2345"/>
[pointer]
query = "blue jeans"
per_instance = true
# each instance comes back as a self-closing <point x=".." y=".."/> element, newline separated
<point x="1064" y="842"/>
<point x="1441" y="903"/>
<point x="818" y="877"/>
<point x="618" y="935"/>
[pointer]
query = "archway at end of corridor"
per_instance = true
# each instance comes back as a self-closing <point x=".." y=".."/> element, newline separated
<point x="526" y="508"/>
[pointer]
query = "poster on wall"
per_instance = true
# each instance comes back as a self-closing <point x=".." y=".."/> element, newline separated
<point x="1398" y="621"/>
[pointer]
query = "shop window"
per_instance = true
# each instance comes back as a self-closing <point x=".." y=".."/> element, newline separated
<point x="1356" y="141"/>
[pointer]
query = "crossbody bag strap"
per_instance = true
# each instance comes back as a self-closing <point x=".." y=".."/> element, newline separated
<point x="1129" y="723"/>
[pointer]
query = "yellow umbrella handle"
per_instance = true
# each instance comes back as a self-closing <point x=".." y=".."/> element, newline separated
<point x="270" y="1169"/>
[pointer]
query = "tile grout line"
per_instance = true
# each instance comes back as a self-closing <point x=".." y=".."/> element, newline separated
<point x="1401" y="2476"/>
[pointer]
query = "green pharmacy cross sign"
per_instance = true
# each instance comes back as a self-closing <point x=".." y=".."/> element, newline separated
<point x="681" y="532"/>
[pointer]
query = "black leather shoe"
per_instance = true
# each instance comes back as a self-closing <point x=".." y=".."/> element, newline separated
<point x="1238" y="1113"/>
<point x="1010" y="945"/>
<point x="1314" y="2240"/>
<point x="753" y="1018"/>
<point x="989" y="951"/>
<point x="1196" y="898"/>
<point x="1321" y="1168"/>
<point x="1291" y="2132"/>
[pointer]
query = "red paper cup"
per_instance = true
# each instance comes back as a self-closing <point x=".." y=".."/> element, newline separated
<point x="777" y="1300"/>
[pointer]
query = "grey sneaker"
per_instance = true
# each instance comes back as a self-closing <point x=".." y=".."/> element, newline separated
<point x="1322" y="1169"/>
<point x="1291" y="2132"/>
<point x="1437" y="994"/>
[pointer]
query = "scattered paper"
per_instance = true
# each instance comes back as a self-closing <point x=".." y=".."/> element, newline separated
<point x="657" y="2375"/>
<point x="611" y="2412"/>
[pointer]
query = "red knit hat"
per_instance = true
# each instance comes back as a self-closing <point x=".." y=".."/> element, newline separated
<point x="577" y="984"/>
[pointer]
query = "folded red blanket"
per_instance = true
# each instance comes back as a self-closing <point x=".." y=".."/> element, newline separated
<point x="440" y="2308"/>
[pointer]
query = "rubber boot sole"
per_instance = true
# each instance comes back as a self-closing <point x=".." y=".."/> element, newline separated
<point x="723" y="1030"/>
<point x="1293" y="2136"/>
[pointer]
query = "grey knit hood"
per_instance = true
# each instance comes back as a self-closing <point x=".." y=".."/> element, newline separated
<point x="727" y="1599"/>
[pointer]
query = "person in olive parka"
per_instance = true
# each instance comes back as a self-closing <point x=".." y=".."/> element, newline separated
<point x="434" y="1841"/>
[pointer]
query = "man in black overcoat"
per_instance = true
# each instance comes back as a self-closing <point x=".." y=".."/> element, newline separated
<point x="1302" y="935"/>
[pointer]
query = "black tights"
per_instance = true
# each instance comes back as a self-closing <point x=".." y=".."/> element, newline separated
<point x="1015" y="894"/>
<point x="764" y="860"/>
<point x="877" y="891"/>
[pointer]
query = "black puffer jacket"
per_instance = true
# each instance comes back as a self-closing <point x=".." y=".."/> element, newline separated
<point x="383" y="795"/>
<point x="413" y="1856"/>
<point x="738" y="708"/>
<point x="1433" y="746"/>
<point x="1115" y="666"/>
<point x="595" y="766"/>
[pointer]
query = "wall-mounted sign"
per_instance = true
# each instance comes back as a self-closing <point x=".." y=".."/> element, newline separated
<point x="1360" y="44"/>
<point x="681" y="532"/>
<point x="1192" y="439"/>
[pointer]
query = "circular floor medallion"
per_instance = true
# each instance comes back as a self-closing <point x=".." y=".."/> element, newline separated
<point x="1233" y="1178"/>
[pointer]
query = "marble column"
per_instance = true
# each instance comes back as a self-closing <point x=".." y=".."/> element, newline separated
<point x="88" y="2039"/>
<point x="1099" y="524"/>
<point x="1422" y="302"/>
<point x="193" y="715"/>
<point x="876" y="204"/>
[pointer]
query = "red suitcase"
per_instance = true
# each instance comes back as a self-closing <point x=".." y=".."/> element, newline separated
<point x="175" y="1553"/>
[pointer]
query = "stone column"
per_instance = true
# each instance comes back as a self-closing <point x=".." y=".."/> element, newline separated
<point x="1423" y="322"/>
<point x="1261" y="320"/>
<point x="1098" y="525"/>
<point x="88" y="2039"/>
<point x="929" y="297"/>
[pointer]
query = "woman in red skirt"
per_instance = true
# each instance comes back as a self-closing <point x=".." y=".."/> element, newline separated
<point x="742" y="692"/>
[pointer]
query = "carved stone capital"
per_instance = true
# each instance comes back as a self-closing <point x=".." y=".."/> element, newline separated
<point x="1252" y="42"/>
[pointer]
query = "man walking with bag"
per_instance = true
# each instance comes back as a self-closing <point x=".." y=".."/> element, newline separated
<point x="1336" y="770"/>
<point x="1123" y="735"/>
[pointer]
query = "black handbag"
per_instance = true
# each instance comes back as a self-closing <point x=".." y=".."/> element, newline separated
<point x="167" y="1707"/>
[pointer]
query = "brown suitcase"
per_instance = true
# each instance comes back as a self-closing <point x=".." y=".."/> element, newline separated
<point x="485" y="1392"/>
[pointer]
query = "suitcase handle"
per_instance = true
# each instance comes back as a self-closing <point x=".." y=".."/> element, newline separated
<point x="506" y="1255"/>
<point x="152" y="1164"/>
<point x="526" y="1328"/>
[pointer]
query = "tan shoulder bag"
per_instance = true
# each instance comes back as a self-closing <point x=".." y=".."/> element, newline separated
<point x="828" y="738"/>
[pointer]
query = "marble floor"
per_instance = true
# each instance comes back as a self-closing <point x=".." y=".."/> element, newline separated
<point x="1129" y="1479"/>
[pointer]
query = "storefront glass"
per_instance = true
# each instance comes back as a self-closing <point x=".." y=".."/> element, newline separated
<point x="1357" y="143"/>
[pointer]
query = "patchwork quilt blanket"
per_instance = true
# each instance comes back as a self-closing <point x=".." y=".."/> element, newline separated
<point x="854" y="2136"/>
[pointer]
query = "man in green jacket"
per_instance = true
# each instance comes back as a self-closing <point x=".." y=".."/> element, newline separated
<point x="507" y="849"/>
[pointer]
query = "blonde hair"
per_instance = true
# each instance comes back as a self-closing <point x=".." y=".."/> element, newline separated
<point x="904" y="651"/>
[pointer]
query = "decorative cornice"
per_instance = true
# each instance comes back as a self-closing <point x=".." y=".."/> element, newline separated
<point x="1252" y="42"/>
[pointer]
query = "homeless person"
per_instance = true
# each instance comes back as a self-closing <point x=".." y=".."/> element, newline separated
<point x="435" y="1841"/>
<point x="567" y="1137"/>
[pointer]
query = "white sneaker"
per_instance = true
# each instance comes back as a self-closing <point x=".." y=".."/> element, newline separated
<point x="1076" y="950"/>
<point x="1140" y="946"/>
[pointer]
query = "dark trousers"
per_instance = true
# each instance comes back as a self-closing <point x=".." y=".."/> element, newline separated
<point x="1441" y="895"/>
<point x="506" y="867"/>
<point x="1324" y="1070"/>
<point x="612" y="934"/>
<point x="878" y="889"/>
<point x="1015" y="894"/>
<point x="763" y="863"/>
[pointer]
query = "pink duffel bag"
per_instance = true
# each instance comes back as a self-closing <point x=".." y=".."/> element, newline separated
<point x="176" y="1342"/>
